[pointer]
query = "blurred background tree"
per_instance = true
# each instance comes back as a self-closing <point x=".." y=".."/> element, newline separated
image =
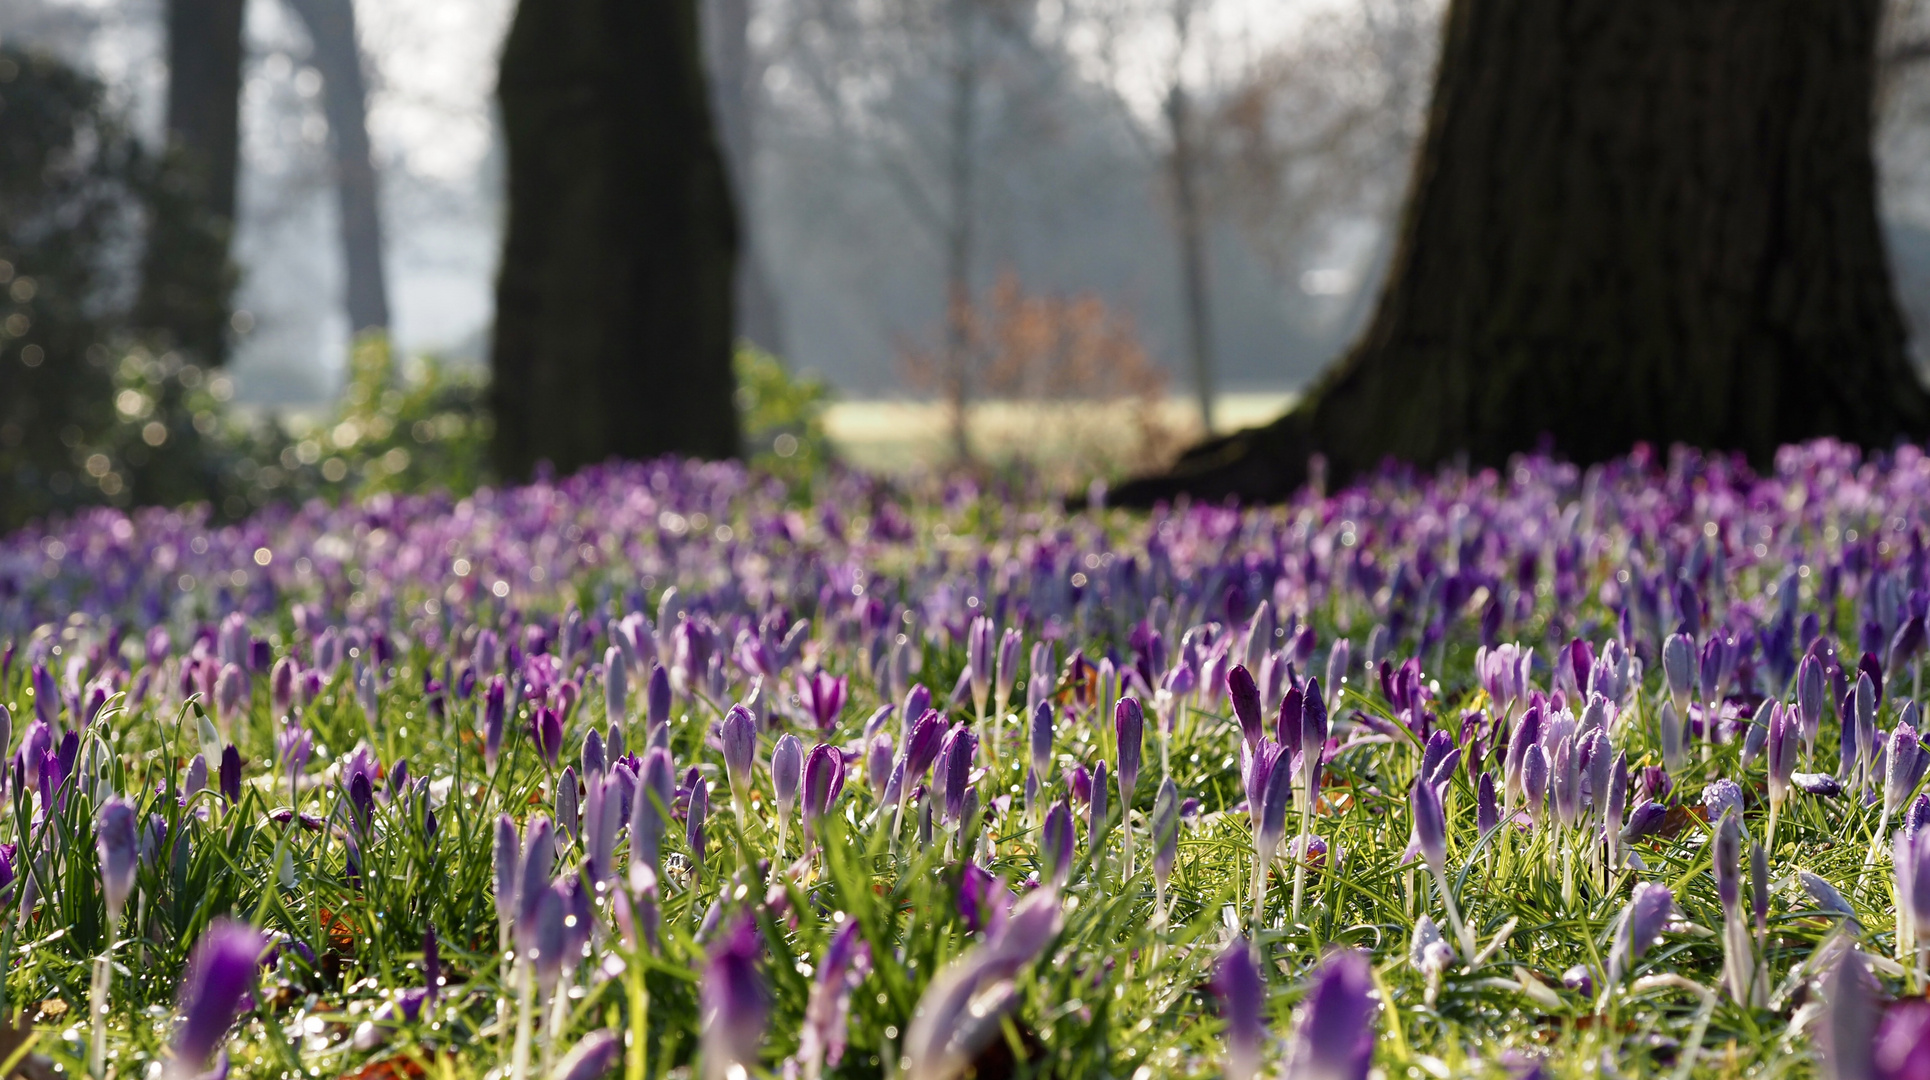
<point x="613" y="329"/>
<point x="1663" y="228"/>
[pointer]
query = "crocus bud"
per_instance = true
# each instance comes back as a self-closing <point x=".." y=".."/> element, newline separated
<point x="1726" y="854"/>
<point x="1245" y="695"/>
<point x="1565" y="778"/>
<point x="594" y="760"/>
<point x="650" y="808"/>
<point x="1722" y="797"/>
<point x="922" y="744"/>
<point x="1339" y="659"/>
<point x="878" y="763"/>
<point x="1242" y="994"/>
<point x="823" y="782"/>
<point x="616" y="685"/>
<point x="568" y="802"/>
<point x="1846" y="1038"/>
<point x="219" y="977"/>
<point x="1781" y="747"/>
<point x="1487" y="810"/>
<point x="508" y="866"/>
<point x="1042" y="738"/>
<point x="494" y="712"/>
<point x="1056" y="846"/>
<point x="542" y="936"/>
<point x="954" y="770"/>
<point x="117" y="845"/>
<point x="1904" y="763"/>
<point x="533" y="878"/>
<point x="1430" y="824"/>
<point x="1642" y="922"/>
<point x="1679" y="669"/>
<point x="1809" y="698"/>
<point x="1129" y="724"/>
<point x="740" y="752"/>
<point x="1165" y="828"/>
<point x="1096" y="811"/>
<point x="1274" y="799"/>
<point x="281" y="685"/>
<point x="694" y="820"/>
<point x="978" y="654"/>
<point x="231" y="774"/>
<point x="591" y="1058"/>
<point x="787" y="767"/>
<point x="1008" y="661"/>
<point x="1334" y="1037"/>
<point x="1534" y="780"/>
<point x="658" y="694"/>
<point x="197" y="779"/>
<point x="546" y="731"/>
<point x="734" y="1004"/>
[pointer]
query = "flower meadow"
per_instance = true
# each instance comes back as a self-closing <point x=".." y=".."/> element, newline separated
<point x="659" y="771"/>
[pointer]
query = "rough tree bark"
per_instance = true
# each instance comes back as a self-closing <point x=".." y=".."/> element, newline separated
<point x="338" y="56"/>
<point x="1630" y="220"/>
<point x="186" y="277"/>
<point x="613" y="307"/>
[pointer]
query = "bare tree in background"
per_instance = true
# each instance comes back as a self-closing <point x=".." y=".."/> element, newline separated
<point x="338" y="56"/>
<point x="736" y="70"/>
<point x="929" y="87"/>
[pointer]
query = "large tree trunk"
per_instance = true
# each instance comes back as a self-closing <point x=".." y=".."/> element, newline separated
<point x="1631" y="220"/>
<point x="186" y="276"/>
<point x="338" y="56"/>
<point x="613" y="308"/>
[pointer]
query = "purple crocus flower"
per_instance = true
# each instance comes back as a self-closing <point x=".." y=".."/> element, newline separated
<point x="1722" y="797"/>
<point x="923" y="741"/>
<point x="1242" y="994"/>
<point x="1165" y="830"/>
<point x="694" y="819"/>
<point x="1641" y="924"/>
<point x="657" y="702"/>
<point x="1846" y="1040"/>
<point x="1487" y="811"/>
<point x="1679" y="670"/>
<point x="592" y="1058"/>
<point x="616" y="685"/>
<point x="823" y="697"/>
<point x="494" y="714"/>
<point x="1245" y="696"/>
<point x="546" y="731"/>
<point x="508" y="866"/>
<point x="823" y="782"/>
<point x="1096" y="819"/>
<point x="1904" y="763"/>
<point x="1809" y="699"/>
<point x="1429" y="824"/>
<point x="219" y="977"/>
<point x="230" y="774"/>
<point x="787" y="768"/>
<point x="118" y="847"/>
<point x="963" y="1008"/>
<point x="978" y="658"/>
<point x="827" y="1015"/>
<point x="1041" y="741"/>
<point x="739" y="736"/>
<point x="1056" y="846"/>
<point x="1334" y="1036"/>
<point x="281" y="685"/>
<point x="734" y="1004"/>
<point x="46" y="694"/>
<point x="878" y="763"/>
<point x="1129" y="725"/>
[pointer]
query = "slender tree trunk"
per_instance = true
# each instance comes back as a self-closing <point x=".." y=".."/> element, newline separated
<point x="1631" y="220"/>
<point x="338" y="56"/>
<point x="1192" y="250"/>
<point x="737" y="86"/>
<point x="960" y="225"/>
<point x="613" y="311"/>
<point x="186" y="277"/>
